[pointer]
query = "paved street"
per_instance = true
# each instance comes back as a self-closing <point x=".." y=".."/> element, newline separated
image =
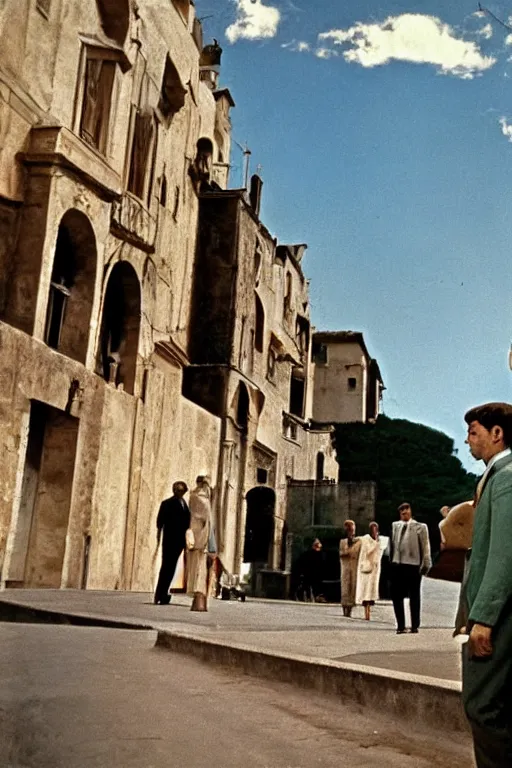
<point x="76" y="697"/>
<point x="315" y="631"/>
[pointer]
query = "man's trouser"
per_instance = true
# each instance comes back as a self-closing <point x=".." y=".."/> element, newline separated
<point x="170" y="559"/>
<point x="406" y="582"/>
<point x="487" y="698"/>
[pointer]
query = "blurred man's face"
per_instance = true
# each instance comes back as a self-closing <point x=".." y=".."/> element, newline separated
<point x="180" y="490"/>
<point x="351" y="531"/>
<point x="317" y="545"/>
<point x="484" y="443"/>
<point x="406" y="514"/>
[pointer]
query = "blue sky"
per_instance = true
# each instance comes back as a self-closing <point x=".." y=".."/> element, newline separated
<point x="382" y="132"/>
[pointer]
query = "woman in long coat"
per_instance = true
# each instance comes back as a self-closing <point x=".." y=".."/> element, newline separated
<point x="197" y="556"/>
<point x="368" y="571"/>
<point x="349" y="558"/>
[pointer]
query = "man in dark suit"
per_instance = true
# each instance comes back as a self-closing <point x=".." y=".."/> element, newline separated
<point x="487" y="656"/>
<point x="173" y="519"/>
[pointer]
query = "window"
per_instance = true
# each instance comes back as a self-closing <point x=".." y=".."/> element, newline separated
<point x="172" y="94"/>
<point x="72" y="287"/>
<point x="261" y="475"/>
<point x="242" y="410"/>
<point x="320" y="461"/>
<point x="44" y="6"/>
<point x="297" y="393"/>
<point x="271" y="364"/>
<point x="287" y="294"/>
<point x="99" y="82"/>
<point x="141" y="152"/>
<point x="163" y="191"/>
<point x="183" y="6"/>
<point x="319" y="353"/>
<point x="352" y="383"/>
<point x="259" y="333"/>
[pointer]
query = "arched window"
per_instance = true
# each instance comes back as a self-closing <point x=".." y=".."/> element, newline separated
<point x="119" y="340"/>
<point x="242" y="410"/>
<point x="72" y="284"/>
<point x="259" y="332"/>
<point x="320" y="462"/>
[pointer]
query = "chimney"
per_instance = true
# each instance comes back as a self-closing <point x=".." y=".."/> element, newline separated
<point x="209" y="65"/>
<point x="255" y="193"/>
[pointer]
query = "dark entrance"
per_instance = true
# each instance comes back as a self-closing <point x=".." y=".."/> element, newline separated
<point x="259" y="525"/>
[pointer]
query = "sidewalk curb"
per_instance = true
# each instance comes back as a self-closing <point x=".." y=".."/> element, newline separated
<point x="424" y="701"/>
<point x="25" y="614"/>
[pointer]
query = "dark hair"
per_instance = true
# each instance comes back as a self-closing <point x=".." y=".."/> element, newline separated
<point x="492" y="415"/>
<point x="177" y="483"/>
<point x="405" y="505"/>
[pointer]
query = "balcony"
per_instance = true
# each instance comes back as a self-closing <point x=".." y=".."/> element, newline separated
<point x="131" y="221"/>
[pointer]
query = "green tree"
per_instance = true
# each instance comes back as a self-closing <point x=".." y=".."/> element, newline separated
<point x="408" y="462"/>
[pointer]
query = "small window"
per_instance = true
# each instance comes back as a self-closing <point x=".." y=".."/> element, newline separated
<point x="163" y="191"/>
<point x="319" y="354"/>
<point x="43" y="6"/>
<point x="320" y="462"/>
<point x="99" y="82"/>
<point x="352" y="383"/>
<point x="172" y="94"/>
<point x="259" y="333"/>
<point x="261" y="475"/>
<point x="288" y="294"/>
<point x="271" y="364"/>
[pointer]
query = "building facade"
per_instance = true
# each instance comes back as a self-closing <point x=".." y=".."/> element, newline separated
<point x="348" y="384"/>
<point x="151" y="329"/>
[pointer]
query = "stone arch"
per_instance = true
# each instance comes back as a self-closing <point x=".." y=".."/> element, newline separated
<point x="71" y="296"/>
<point x="115" y="19"/>
<point x="120" y="327"/>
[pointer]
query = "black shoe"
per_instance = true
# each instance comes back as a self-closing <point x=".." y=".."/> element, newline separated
<point x="414" y="630"/>
<point x="400" y="631"/>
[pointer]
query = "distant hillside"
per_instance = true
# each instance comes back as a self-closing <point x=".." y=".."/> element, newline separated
<point x="409" y="462"/>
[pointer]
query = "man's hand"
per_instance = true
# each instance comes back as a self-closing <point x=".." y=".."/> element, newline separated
<point x="480" y="642"/>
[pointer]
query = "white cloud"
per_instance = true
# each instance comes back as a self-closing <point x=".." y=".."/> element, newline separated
<point x="410" y="37"/>
<point x="298" y="46"/>
<point x="508" y="40"/>
<point x="486" y="32"/>
<point x="506" y="128"/>
<point x="325" y="53"/>
<point x="255" y="21"/>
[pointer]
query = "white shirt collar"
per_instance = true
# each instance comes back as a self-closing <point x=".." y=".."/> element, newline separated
<point x="497" y="457"/>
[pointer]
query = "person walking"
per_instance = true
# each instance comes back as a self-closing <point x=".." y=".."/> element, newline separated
<point x="201" y="554"/>
<point x="311" y="567"/>
<point x="487" y="656"/>
<point x="173" y="520"/>
<point x="368" y="571"/>
<point x="350" y="548"/>
<point x="410" y="560"/>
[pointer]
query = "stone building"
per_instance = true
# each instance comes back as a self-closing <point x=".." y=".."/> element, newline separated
<point x="348" y="383"/>
<point x="150" y="327"/>
<point x="250" y="354"/>
<point x="109" y="121"/>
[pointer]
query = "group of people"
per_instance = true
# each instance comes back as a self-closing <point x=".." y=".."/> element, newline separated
<point x="408" y="549"/>
<point x="189" y="528"/>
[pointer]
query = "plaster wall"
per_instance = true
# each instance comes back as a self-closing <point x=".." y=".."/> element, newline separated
<point x="334" y="401"/>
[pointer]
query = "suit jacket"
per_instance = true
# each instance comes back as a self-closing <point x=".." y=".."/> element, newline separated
<point x="174" y="519"/>
<point x="420" y="532"/>
<point x="489" y="580"/>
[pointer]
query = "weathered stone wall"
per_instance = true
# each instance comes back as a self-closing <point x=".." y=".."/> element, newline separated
<point x="334" y="402"/>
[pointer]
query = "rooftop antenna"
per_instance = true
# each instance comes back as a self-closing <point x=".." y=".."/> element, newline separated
<point x="247" y="154"/>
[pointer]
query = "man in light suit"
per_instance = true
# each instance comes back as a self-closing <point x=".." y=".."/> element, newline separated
<point x="487" y="656"/>
<point x="410" y="560"/>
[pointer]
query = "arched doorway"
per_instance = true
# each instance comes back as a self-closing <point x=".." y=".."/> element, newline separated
<point x="120" y="326"/>
<point x="259" y="525"/>
<point x="73" y="279"/>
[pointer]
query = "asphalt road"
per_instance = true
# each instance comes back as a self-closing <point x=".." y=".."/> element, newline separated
<point x="73" y="697"/>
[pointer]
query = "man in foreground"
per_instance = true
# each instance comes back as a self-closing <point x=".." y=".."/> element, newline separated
<point x="487" y="656"/>
<point x="410" y="560"/>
